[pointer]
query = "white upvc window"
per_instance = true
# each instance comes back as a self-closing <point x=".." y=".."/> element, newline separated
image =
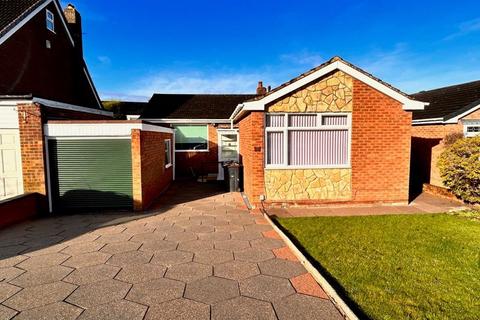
<point x="168" y="153"/>
<point x="307" y="140"/>
<point x="50" y="20"/>
<point x="471" y="130"/>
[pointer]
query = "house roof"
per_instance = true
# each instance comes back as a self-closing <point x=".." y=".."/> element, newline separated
<point x="193" y="106"/>
<point x="323" y="65"/>
<point x="13" y="11"/>
<point x="448" y="102"/>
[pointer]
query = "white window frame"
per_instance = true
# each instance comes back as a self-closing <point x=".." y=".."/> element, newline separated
<point x="319" y="127"/>
<point x="198" y="125"/>
<point x="168" y="147"/>
<point x="50" y="18"/>
<point x="469" y="124"/>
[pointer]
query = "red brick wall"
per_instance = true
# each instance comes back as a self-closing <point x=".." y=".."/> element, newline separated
<point x="31" y="121"/>
<point x="251" y="135"/>
<point x="201" y="162"/>
<point x="150" y="177"/>
<point x="18" y="209"/>
<point x="381" y="139"/>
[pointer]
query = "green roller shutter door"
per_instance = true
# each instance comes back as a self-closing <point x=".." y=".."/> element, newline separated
<point x="91" y="173"/>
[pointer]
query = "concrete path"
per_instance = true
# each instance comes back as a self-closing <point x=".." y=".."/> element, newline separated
<point x="425" y="203"/>
<point x="197" y="256"/>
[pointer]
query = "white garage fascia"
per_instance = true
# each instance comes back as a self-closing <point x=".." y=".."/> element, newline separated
<point x="98" y="130"/>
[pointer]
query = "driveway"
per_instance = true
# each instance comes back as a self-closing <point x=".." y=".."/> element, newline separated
<point x="199" y="255"/>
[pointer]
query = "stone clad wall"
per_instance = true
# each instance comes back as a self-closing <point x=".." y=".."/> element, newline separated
<point x="333" y="93"/>
<point x="308" y="184"/>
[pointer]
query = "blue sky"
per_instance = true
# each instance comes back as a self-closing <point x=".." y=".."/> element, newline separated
<point x="136" y="48"/>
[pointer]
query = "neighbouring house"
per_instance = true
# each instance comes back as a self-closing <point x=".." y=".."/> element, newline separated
<point x="204" y="134"/>
<point x="335" y="134"/>
<point x="55" y="136"/>
<point x="452" y="110"/>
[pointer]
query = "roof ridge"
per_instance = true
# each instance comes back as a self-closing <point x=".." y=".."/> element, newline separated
<point x="447" y="87"/>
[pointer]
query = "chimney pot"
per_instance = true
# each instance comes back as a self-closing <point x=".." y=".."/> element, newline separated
<point x="261" y="90"/>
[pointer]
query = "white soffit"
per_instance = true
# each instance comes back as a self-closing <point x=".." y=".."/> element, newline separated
<point x="98" y="129"/>
<point x="408" y="104"/>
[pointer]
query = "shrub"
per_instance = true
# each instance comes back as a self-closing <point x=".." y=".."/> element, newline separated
<point x="459" y="167"/>
<point x="452" y="138"/>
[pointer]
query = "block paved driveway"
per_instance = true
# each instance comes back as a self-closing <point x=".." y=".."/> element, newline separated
<point x="200" y="255"/>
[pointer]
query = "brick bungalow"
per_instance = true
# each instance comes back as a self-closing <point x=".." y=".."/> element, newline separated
<point x="335" y="134"/>
<point x="452" y="110"/>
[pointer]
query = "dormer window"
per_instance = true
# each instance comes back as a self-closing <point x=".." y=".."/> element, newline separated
<point x="50" y="21"/>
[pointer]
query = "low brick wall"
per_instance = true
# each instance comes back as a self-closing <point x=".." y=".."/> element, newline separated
<point x="150" y="176"/>
<point x="19" y="208"/>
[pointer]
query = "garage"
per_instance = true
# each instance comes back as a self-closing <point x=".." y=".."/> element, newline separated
<point x="95" y="165"/>
<point x="91" y="173"/>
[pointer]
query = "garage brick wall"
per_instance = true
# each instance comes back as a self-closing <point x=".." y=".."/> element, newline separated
<point x="149" y="175"/>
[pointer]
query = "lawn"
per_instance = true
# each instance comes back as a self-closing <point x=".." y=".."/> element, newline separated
<point x="398" y="267"/>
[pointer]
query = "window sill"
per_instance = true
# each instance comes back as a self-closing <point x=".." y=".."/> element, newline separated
<point x="306" y="167"/>
<point x="168" y="166"/>
<point x="180" y="151"/>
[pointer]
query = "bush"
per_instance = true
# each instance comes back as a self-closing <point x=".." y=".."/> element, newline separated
<point x="459" y="167"/>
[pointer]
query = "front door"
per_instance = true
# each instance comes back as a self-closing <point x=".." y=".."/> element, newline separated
<point x="11" y="180"/>
<point x="227" y="148"/>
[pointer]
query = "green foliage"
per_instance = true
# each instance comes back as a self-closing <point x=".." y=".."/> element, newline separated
<point x="400" y="266"/>
<point x="459" y="167"/>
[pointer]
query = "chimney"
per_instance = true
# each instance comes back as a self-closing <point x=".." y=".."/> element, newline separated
<point x="74" y="21"/>
<point x="261" y="90"/>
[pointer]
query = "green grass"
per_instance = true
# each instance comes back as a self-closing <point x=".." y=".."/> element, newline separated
<point x="398" y="267"/>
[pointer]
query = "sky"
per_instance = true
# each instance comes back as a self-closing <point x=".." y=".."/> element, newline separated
<point x="136" y="48"/>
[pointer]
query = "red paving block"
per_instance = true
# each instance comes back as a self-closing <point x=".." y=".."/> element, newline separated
<point x="284" y="253"/>
<point x="255" y="211"/>
<point x="272" y="234"/>
<point x="261" y="221"/>
<point x="306" y="284"/>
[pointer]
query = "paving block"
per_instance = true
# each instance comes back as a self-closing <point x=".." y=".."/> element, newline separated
<point x="212" y="290"/>
<point x="243" y="308"/>
<point x="236" y="270"/>
<point x="54" y="311"/>
<point x="266" y="288"/>
<point x="281" y="268"/>
<point x="156" y="291"/>
<point x="37" y="277"/>
<point x="121" y="309"/>
<point x="141" y="273"/>
<point x="98" y="293"/>
<point x="302" y="307"/>
<point x="189" y="272"/>
<point x="92" y="274"/>
<point x="171" y="258"/>
<point x="179" y="309"/>
<point x="87" y="259"/>
<point x="213" y="257"/>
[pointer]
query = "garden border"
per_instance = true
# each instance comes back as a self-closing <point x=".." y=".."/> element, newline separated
<point x="329" y="290"/>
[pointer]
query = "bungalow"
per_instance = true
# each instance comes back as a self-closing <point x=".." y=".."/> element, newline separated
<point x="335" y="134"/>
<point x="452" y="111"/>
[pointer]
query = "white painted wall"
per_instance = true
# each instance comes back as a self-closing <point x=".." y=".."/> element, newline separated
<point x="8" y="117"/>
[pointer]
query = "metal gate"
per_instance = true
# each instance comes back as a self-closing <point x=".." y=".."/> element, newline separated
<point x="90" y="173"/>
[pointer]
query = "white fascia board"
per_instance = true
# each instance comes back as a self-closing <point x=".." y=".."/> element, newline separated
<point x="67" y="106"/>
<point x="72" y="130"/>
<point x="187" y="121"/>
<point x="94" y="90"/>
<point x="64" y="22"/>
<point x="460" y="116"/>
<point x="408" y="104"/>
<point x="9" y="103"/>
<point x="428" y="121"/>
<point x="33" y="14"/>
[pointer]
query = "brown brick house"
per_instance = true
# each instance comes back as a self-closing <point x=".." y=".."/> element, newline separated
<point x="43" y="77"/>
<point x="335" y="134"/>
<point x="56" y="140"/>
<point x="452" y="110"/>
